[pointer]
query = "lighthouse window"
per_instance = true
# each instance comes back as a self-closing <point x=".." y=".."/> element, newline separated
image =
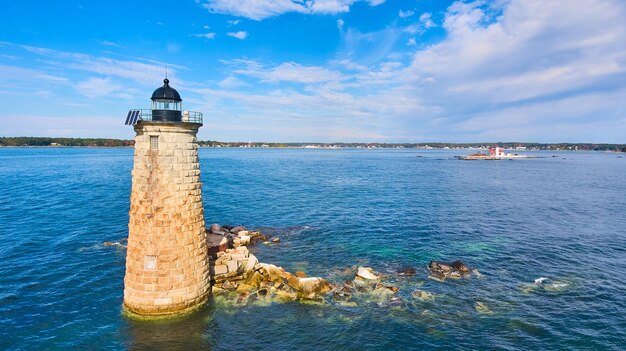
<point x="154" y="142"/>
<point x="149" y="263"/>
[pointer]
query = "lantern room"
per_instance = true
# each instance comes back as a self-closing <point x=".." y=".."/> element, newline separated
<point x="166" y="104"/>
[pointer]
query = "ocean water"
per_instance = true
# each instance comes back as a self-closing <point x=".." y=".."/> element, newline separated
<point x="562" y="218"/>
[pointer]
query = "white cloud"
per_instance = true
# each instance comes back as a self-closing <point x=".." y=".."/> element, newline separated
<point x="98" y="87"/>
<point x="340" y="24"/>
<point x="530" y="70"/>
<point x="241" y="35"/>
<point x="109" y="43"/>
<point x="144" y="73"/>
<point x="233" y="22"/>
<point x="411" y="42"/>
<point x="288" y="72"/>
<point x="231" y="82"/>
<point x="349" y="64"/>
<point x="426" y="20"/>
<point x="258" y="10"/>
<point x="530" y="57"/>
<point x="210" y="35"/>
<point x="406" y="14"/>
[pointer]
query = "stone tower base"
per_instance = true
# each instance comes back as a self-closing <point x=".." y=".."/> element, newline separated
<point x="167" y="264"/>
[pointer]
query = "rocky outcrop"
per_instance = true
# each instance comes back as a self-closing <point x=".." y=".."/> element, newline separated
<point x="238" y="276"/>
<point x="240" y="271"/>
<point x="235" y="236"/>
<point x="443" y="270"/>
<point x="235" y="270"/>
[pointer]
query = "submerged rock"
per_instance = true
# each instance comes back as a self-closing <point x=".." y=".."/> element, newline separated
<point x="286" y="295"/>
<point x="406" y="271"/>
<point x="120" y="244"/>
<point x="392" y="289"/>
<point x="481" y="307"/>
<point x="342" y="296"/>
<point x="545" y="284"/>
<point x="422" y="295"/>
<point x="396" y="302"/>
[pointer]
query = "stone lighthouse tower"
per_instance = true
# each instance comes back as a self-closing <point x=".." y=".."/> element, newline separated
<point x="167" y="267"/>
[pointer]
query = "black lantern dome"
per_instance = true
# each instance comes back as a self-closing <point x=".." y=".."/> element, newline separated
<point x="166" y="92"/>
<point x="166" y="104"/>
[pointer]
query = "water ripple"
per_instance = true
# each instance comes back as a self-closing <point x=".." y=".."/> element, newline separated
<point x="60" y="288"/>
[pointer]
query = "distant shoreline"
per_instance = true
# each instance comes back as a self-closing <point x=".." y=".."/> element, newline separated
<point x="53" y="142"/>
<point x="292" y="147"/>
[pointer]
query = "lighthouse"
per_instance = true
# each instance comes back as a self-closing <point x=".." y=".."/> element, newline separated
<point x="167" y="267"/>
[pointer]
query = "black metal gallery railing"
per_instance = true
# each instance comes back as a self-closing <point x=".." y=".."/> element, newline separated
<point x="163" y="116"/>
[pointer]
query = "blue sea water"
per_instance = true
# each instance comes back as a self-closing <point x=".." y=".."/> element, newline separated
<point x="561" y="218"/>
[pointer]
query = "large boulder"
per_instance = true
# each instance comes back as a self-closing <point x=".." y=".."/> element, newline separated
<point x="237" y="229"/>
<point x="313" y="288"/>
<point x="243" y="287"/>
<point x="215" y="228"/>
<point x="367" y="273"/>
<point x="273" y="273"/>
<point x="460" y="266"/>
<point x="254" y="279"/>
<point x="440" y="266"/>
<point x="244" y="239"/>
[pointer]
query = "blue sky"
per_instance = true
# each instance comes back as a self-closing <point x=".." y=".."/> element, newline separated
<point x="321" y="70"/>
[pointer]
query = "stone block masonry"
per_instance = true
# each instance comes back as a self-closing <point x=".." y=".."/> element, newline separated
<point x="167" y="262"/>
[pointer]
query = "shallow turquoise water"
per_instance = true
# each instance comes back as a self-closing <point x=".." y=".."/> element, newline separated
<point x="516" y="221"/>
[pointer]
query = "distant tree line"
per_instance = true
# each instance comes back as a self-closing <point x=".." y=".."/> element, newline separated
<point x="48" y="141"/>
<point x="506" y="145"/>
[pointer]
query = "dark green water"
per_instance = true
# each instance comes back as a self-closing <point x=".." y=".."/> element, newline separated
<point x="516" y="221"/>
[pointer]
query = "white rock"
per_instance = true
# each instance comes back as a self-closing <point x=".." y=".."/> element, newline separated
<point x="252" y="261"/>
<point x="220" y="269"/>
<point x="245" y="240"/>
<point x="366" y="273"/>
<point x="232" y="266"/>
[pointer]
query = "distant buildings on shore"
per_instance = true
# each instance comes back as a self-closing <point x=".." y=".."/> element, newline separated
<point x="516" y="146"/>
